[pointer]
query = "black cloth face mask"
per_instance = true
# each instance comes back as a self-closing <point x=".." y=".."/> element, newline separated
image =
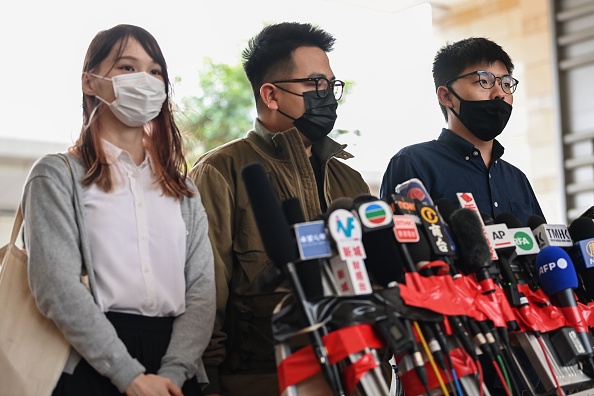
<point x="485" y="119"/>
<point x="319" y="117"/>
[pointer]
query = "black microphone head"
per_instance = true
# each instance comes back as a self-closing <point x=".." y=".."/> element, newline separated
<point x="487" y="219"/>
<point x="270" y="219"/>
<point x="362" y="198"/>
<point x="508" y="219"/>
<point x="534" y="221"/>
<point x="473" y="249"/>
<point x="340" y="203"/>
<point x="293" y="210"/>
<point x="446" y="208"/>
<point x="581" y="229"/>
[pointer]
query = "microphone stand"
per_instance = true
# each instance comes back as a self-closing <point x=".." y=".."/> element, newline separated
<point x="372" y="383"/>
<point x="330" y="372"/>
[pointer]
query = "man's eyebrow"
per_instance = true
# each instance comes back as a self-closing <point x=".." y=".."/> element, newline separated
<point x="314" y="75"/>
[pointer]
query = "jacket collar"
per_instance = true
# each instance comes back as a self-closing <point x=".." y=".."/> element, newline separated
<point x="278" y="144"/>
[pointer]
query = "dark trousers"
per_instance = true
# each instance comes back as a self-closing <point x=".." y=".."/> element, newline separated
<point x="145" y="337"/>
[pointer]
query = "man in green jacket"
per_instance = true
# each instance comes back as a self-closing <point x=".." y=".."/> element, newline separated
<point x="296" y="99"/>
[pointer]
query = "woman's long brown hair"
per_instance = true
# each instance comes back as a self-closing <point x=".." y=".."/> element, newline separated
<point x="164" y="141"/>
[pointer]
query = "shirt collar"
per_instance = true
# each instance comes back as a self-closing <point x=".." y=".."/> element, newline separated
<point x="115" y="155"/>
<point x="463" y="147"/>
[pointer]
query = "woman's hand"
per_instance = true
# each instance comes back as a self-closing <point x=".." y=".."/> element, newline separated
<point x="152" y="385"/>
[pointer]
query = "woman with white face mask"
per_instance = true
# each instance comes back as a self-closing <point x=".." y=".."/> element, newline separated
<point x="121" y="213"/>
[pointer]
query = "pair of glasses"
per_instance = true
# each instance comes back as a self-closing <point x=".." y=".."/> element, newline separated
<point x="487" y="80"/>
<point x="323" y="85"/>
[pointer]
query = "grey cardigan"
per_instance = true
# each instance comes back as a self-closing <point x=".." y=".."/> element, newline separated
<point x="59" y="252"/>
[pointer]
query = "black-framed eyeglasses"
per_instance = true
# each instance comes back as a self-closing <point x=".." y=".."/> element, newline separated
<point x="487" y="81"/>
<point x="323" y="85"/>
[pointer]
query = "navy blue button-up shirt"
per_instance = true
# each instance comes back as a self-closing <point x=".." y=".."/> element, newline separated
<point x="451" y="165"/>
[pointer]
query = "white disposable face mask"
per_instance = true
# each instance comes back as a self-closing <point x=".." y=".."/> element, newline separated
<point x="138" y="97"/>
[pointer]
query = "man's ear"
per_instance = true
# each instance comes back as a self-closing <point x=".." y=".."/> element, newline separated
<point x="268" y="95"/>
<point x="87" y="87"/>
<point x="445" y="97"/>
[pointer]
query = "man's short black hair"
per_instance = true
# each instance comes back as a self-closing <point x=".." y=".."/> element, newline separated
<point x="268" y="56"/>
<point x="452" y="59"/>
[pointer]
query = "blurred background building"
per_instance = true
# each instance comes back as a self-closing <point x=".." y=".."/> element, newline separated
<point x="550" y="135"/>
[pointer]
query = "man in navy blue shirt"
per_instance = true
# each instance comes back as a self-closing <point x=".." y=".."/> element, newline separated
<point x="475" y="92"/>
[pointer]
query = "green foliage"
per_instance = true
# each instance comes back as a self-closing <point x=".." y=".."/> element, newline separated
<point x="223" y="111"/>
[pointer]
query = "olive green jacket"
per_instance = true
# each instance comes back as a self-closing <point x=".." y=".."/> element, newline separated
<point x="241" y="341"/>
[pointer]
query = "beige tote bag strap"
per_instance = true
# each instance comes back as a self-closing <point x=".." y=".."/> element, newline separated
<point x="18" y="219"/>
<point x="18" y="223"/>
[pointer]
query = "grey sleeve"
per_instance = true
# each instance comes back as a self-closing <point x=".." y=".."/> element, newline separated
<point x="192" y="329"/>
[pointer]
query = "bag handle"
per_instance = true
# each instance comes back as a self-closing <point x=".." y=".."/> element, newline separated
<point x="18" y="219"/>
<point x="18" y="224"/>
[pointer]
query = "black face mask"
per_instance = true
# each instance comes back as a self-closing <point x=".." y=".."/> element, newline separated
<point x="319" y="117"/>
<point x="485" y="119"/>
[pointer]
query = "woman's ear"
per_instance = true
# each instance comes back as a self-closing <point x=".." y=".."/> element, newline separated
<point x="268" y="95"/>
<point x="444" y="96"/>
<point x="87" y="87"/>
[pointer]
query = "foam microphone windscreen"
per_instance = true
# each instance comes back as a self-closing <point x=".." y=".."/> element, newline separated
<point x="474" y="253"/>
<point x="508" y="219"/>
<point x="555" y="270"/>
<point x="581" y="229"/>
<point x="272" y="224"/>
<point x="534" y="221"/>
<point x="340" y="203"/>
<point x="293" y="211"/>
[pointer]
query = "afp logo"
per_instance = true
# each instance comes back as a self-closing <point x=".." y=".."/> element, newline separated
<point x="561" y="263"/>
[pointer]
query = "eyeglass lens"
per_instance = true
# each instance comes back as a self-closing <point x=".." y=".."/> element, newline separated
<point x="487" y="81"/>
<point x="322" y="87"/>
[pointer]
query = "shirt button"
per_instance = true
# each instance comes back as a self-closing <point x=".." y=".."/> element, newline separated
<point x="146" y="270"/>
<point x="489" y="175"/>
<point x="475" y="153"/>
<point x="467" y="158"/>
<point x="139" y="204"/>
<point x="496" y="204"/>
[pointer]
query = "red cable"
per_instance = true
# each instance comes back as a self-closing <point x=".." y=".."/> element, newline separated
<point x="501" y="378"/>
<point x="559" y="391"/>
<point x="481" y="379"/>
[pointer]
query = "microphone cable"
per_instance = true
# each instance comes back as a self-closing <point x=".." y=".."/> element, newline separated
<point x="481" y="379"/>
<point x="550" y="365"/>
<point x="417" y="359"/>
<point x="500" y="375"/>
<point x="430" y="358"/>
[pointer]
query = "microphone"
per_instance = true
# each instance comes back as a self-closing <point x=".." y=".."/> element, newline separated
<point x="414" y="189"/>
<point x="277" y="240"/>
<point x="521" y="260"/>
<point x="581" y="231"/>
<point x="311" y="243"/>
<point x="413" y="241"/>
<point x="474" y="252"/>
<point x="348" y="267"/>
<point x="384" y="261"/>
<point x="466" y="201"/>
<point x="549" y="234"/>
<point x="558" y="278"/>
<point x="503" y="241"/>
